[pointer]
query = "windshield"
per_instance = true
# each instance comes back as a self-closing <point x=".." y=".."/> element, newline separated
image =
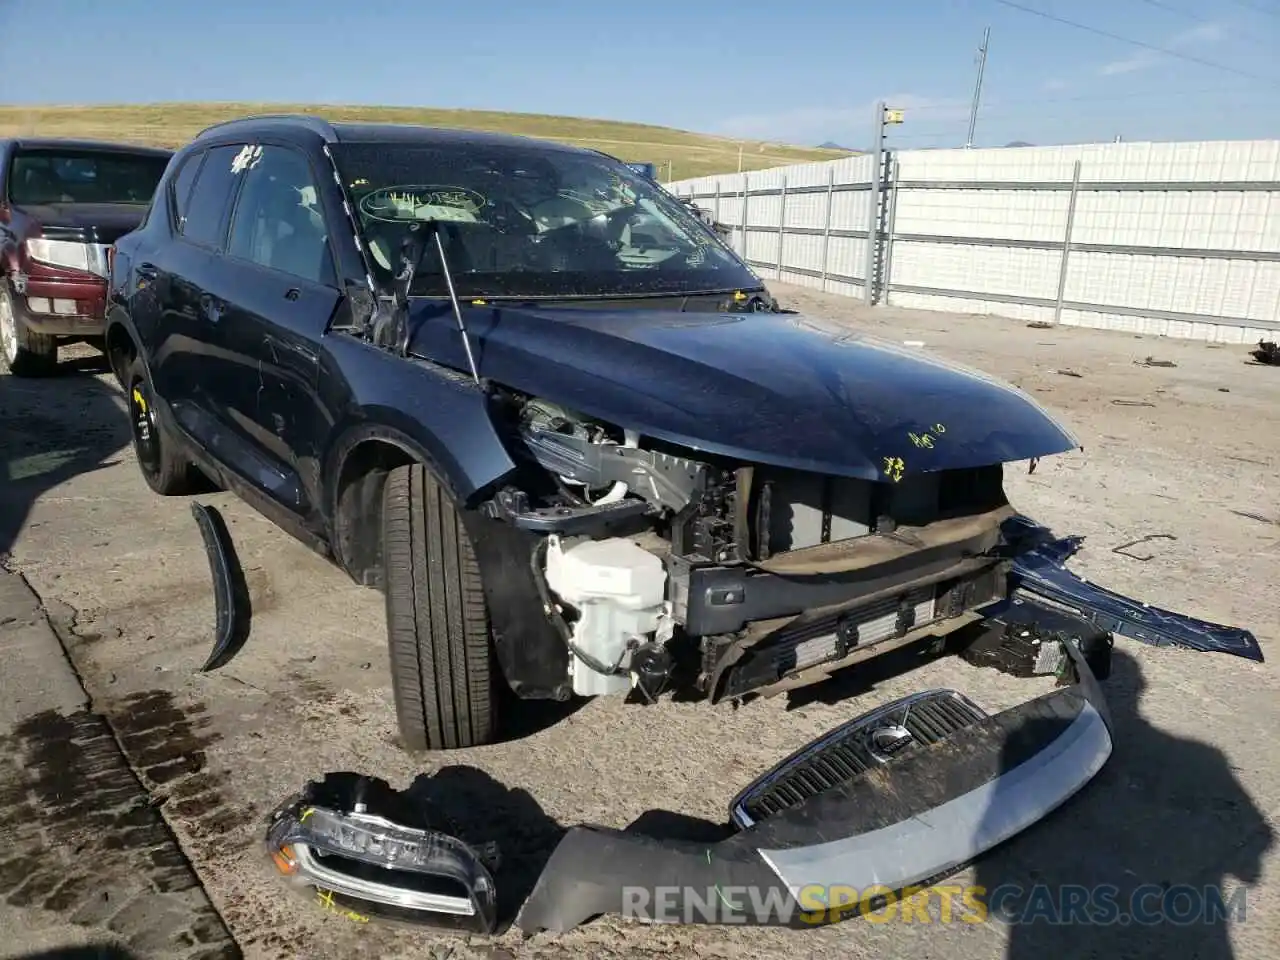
<point x="83" y="176"/>
<point x="531" y="222"/>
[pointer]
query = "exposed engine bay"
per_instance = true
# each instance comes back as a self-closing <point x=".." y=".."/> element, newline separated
<point x="659" y="565"/>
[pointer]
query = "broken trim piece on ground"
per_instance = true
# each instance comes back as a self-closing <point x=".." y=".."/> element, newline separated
<point x="1040" y="572"/>
<point x="1267" y="352"/>
<point x="233" y="608"/>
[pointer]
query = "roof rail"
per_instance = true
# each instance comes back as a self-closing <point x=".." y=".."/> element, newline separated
<point x="310" y="121"/>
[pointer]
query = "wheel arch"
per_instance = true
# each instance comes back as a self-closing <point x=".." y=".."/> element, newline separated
<point x="122" y="343"/>
<point x="358" y="465"/>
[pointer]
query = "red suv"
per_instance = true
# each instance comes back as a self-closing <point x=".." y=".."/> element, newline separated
<point x="63" y="203"/>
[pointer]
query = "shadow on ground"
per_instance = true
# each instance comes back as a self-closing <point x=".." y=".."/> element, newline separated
<point x="1147" y="861"/>
<point x="52" y="429"/>
<point x="483" y="809"/>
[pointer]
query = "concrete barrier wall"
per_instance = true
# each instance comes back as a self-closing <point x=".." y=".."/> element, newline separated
<point x="1174" y="239"/>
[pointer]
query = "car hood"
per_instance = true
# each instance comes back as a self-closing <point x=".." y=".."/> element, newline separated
<point x="96" y="222"/>
<point x="765" y="387"/>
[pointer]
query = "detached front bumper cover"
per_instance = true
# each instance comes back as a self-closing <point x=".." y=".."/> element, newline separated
<point x="905" y="822"/>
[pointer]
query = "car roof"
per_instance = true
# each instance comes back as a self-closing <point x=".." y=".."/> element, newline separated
<point x="101" y="146"/>
<point x="358" y="132"/>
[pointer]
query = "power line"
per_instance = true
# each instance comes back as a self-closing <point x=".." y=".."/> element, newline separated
<point x="1139" y="43"/>
<point x="1095" y="98"/>
<point x="1256" y="8"/>
<point x="1267" y="41"/>
<point x="1171" y="9"/>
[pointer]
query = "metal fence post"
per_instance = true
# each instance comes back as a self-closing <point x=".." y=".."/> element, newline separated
<point x="891" y="221"/>
<point x="717" y="208"/>
<point x="826" y="226"/>
<point x="746" y="192"/>
<point x="782" y="223"/>
<point x="1066" y="242"/>
<point x="873" y="211"/>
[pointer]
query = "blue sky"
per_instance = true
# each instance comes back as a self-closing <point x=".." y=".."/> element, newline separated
<point x="803" y="71"/>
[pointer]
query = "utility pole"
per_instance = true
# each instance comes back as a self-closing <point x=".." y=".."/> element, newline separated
<point x="739" y="157"/>
<point x="977" y="87"/>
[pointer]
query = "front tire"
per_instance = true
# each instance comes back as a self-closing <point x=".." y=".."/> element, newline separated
<point x="163" y="467"/>
<point x="25" y="353"/>
<point x="442" y="662"/>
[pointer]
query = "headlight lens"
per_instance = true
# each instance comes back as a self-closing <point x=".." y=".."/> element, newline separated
<point x="68" y="254"/>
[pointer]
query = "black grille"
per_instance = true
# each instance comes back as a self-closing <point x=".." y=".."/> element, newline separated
<point x="849" y="751"/>
<point x="780" y="654"/>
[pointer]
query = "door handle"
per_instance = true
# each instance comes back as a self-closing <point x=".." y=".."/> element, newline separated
<point x="293" y="293"/>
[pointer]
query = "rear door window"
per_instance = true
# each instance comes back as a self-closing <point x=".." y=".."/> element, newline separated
<point x="182" y="187"/>
<point x="205" y="218"/>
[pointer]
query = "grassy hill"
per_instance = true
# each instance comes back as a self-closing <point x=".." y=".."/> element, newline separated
<point x="171" y="124"/>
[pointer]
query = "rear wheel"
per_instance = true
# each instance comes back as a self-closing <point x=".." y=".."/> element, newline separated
<point x="25" y="353"/>
<point x="442" y="664"/>
<point x="166" y="471"/>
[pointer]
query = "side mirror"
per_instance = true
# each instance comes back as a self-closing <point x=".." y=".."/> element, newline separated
<point x="389" y="317"/>
<point x="411" y="250"/>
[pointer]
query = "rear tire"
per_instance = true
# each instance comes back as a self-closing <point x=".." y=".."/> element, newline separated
<point x="166" y="471"/>
<point x="24" y="352"/>
<point x="442" y="660"/>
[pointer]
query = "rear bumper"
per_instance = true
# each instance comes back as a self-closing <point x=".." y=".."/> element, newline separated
<point x="904" y="823"/>
<point x="62" y="307"/>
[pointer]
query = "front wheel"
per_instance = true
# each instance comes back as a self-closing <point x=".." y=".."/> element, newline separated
<point x="25" y="353"/>
<point x="442" y="661"/>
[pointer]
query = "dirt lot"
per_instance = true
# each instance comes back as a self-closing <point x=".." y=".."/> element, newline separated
<point x="1190" y="796"/>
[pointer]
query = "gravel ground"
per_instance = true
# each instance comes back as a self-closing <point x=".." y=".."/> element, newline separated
<point x="1185" y="799"/>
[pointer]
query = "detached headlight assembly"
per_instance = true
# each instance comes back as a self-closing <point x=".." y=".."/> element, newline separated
<point x="339" y="843"/>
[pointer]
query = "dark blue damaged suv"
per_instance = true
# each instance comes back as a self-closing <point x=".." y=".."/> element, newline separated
<point x="544" y="408"/>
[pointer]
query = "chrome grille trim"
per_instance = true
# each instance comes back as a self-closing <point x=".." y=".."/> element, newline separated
<point x="847" y="752"/>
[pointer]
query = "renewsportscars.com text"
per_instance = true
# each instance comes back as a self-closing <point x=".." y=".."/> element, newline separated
<point x="1067" y="904"/>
